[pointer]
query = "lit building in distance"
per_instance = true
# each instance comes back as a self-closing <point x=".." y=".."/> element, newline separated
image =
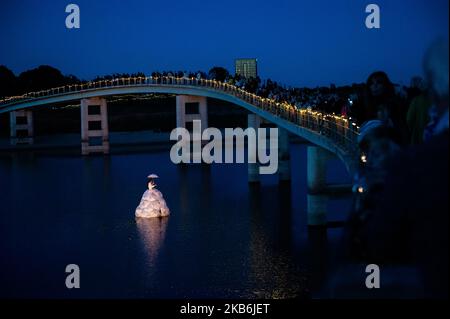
<point x="246" y="68"/>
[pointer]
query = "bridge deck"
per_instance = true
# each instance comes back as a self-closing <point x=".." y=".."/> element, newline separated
<point x="334" y="133"/>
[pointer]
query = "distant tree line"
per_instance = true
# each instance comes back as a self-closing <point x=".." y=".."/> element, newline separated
<point x="43" y="77"/>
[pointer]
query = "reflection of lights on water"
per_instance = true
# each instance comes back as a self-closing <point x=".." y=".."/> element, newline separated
<point x="152" y="232"/>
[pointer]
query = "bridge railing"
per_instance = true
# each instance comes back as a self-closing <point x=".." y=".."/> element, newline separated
<point x="340" y="130"/>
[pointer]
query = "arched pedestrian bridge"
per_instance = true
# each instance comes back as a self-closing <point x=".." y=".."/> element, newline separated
<point x="329" y="132"/>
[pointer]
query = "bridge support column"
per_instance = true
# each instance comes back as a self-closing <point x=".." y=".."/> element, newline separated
<point x="191" y="108"/>
<point x="21" y="125"/>
<point x="94" y="125"/>
<point x="254" y="121"/>
<point x="284" y="156"/>
<point x="317" y="159"/>
<point x="317" y="206"/>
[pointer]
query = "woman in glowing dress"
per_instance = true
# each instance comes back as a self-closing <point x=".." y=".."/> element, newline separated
<point x="152" y="203"/>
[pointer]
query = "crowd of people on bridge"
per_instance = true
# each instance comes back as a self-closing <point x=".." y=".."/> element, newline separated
<point x="348" y="100"/>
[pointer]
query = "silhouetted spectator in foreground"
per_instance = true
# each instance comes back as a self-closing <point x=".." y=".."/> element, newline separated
<point x="378" y="144"/>
<point x="417" y="117"/>
<point x="408" y="225"/>
<point x="381" y="102"/>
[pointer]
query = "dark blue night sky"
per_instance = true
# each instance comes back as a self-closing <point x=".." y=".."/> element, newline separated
<point x="305" y="43"/>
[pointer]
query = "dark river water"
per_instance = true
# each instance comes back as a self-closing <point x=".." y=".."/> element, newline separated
<point x="223" y="239"/>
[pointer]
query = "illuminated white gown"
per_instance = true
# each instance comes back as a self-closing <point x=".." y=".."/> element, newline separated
<point x="152" y="205"/>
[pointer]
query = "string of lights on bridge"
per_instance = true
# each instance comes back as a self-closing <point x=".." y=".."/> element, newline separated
<point x="314" y="118"/>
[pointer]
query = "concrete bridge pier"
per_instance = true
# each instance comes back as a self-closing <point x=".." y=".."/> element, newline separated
<point x="191" y="108"/>
<point x="318" y="189"/>
<point x="188" y="109"/>
<point x="94" y="125"/>
<point x="21" y="125"/>
<point x="284" y="156"/>
<point x="317" y="206"/>
<point x="254" y="121"/>
<point x="317" y="159"/>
